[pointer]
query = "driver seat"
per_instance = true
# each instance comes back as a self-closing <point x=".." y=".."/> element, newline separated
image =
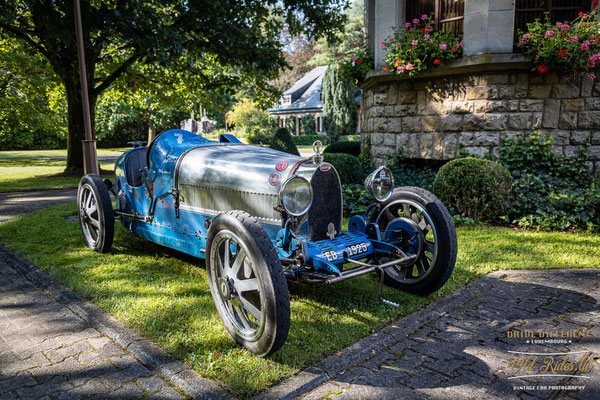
<point x="136" y="160"/>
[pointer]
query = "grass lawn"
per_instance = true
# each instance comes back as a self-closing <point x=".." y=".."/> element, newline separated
<point x="165" y="296"/>
<point x="22" y="170"/>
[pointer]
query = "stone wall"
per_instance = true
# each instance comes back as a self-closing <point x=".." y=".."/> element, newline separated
<point x="432" y="117"/>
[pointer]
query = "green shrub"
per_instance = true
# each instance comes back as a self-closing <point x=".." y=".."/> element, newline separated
<point x="349" y="138"/>
<point x="308" y="125"/>
<point x="308" y="140"/>
<point x="259" y="138"/>
<point x="549" y="191"/>
<point x="420" y="173"/>
<point x="356" y="199"/>
<point x="347" y="166"/>
<point x="474" y="187"/>
<point x="596" y="179"/>
<point x="352" y="148"/>
<point x="282" y="141"/>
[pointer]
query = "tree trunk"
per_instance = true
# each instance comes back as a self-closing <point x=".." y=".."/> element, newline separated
<point x="76" y="128"/>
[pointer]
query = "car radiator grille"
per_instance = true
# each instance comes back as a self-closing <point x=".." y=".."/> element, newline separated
<point x="327" y="204"/>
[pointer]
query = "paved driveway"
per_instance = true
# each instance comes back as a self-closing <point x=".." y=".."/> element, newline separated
<point x="16" y="204"/>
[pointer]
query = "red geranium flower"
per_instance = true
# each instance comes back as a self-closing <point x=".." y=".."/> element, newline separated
<point x="454" y="49"/>
<point x="595" y="2"/>
<point x="422" y="30"/>
<point x="358" y="61"/>
<point x="385" y="68"/>
<point x="562" y="52"/>
<point x="543" y="69"/>
<point x="437" y="61"/>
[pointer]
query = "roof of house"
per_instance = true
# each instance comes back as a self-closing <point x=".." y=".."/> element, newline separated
<point x="305" y="94"/>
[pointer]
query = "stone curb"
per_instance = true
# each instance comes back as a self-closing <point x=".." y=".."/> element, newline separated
<point x="310" y="378"/>
<point x="150" y="356"/>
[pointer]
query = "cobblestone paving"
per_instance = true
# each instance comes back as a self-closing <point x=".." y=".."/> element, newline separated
<point x="48" y="352"/>
<point x="15" y="204"/>
<point x="464" y="352"/>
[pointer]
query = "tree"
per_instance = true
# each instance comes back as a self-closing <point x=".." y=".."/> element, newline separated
<point x="339" y="106"/>
<point x="351" y="37"/>
<point x="172" y="35"/>
<point x="298" y="51"/>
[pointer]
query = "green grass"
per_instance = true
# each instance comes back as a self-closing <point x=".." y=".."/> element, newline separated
<point x="27" y="169"/>
<point x="164" y="294"/>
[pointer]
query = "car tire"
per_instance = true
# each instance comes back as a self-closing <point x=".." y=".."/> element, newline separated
<point x="95" y="212"/>
<point x="250" y="293"/>
<point x="437" y="257"/>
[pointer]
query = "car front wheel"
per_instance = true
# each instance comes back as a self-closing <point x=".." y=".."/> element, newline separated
<point x="247" y="283"/>
<point x="95" y="213"/>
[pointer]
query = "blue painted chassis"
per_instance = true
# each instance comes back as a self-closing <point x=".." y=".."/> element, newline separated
<point x="186" y="231"/>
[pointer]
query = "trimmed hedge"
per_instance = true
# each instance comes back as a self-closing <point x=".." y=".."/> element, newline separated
<point x="347" y="166"/>
<point x="349" y="138"/>
<point x="474" y="187"/>
<point x="282" y="141"/>
<point x="352" y="148"/>
<point x="308" y="140"/>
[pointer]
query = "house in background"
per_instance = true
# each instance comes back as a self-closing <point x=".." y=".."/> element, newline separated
<point x="302" y="99"/>
<point x="482" y="99"/>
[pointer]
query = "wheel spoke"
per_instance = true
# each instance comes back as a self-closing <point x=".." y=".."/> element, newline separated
<point x="238" y="261"/>
<point x="246" y="285"/>
<point x="250" y="308"/>
<point x="227" y="255"/>
<point x="423" y="224"/>
<point x="92" y="209"/>
<point x="423" y="266"/>
<point x="406" y="209"/>
<point x="242" y="317"/>
<point x="94" y="222"/>
<point x="429" y="246"/>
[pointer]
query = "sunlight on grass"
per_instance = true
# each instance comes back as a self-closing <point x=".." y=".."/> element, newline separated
<point x="56" y="153"/>
<point x="165" y="296"/>
<point x="32" y="173"/>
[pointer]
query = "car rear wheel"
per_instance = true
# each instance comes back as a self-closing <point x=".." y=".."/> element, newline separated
<point x="95" y="213"/>
<point x="247" y="283"/>
<point x="429" y="232"/>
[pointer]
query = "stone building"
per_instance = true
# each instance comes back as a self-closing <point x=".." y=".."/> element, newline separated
<point x="482" y="99"/>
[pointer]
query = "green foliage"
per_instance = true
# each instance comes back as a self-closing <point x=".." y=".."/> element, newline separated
<point x="355" y="66"/>
<point x="308" y="140"/>
<point x="31" y="100"/>
<point x="352" y="148"/>
<point x="596" y="179"/>
<point x="549" y="191"/>
<point x="308" y="125"/>
<point x="569" y="48"/>
<point x="339" y="106"/>
<point x="249" y="119"/>
<point x="356" y="199"/>
<point x="282" y="141"/>
<point x="409" y="173"/>
<point x="474" y="188"/>
<point x="349" y="138"/>
<point x="290" y="124"/>
<point x="259" y="138"/>
<point x="416" y="48"/>
<point x="347" y="166"/>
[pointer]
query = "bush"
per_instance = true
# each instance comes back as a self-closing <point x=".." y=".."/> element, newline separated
<point x="282" y="141"/>
<point x="308" y="140"/>
<point x="549" y="191"/>
<point x="347" y="166"/>
<point x="259" y="138"/>
<point x="474" y="187"/>
<point x="349" y="138"/>
<point x="596" y="179"/>
<point x="352" y="148"/>
<point x="418" y="173"/>
<point x="308" y="125"/>
<point x="356" y="199"/>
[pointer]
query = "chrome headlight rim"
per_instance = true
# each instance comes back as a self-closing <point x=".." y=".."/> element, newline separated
<point x="285" y="185"/>
<point x="369" y="184"/>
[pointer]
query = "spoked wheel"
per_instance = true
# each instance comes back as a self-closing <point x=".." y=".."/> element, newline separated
<point x="247" y="283"/>
<point x="420" y="224"/>
<point x="95" y="213"/>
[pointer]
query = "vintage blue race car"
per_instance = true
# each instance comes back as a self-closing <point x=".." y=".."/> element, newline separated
<point x="260" y="216"/>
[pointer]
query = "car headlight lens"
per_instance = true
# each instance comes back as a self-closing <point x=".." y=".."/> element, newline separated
<point x="380" y="184"/>
<point x="296" y="196"/>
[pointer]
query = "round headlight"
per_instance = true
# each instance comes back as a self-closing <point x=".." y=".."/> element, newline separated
<point x="380" y="184"/>
<point x="296" y="196"/>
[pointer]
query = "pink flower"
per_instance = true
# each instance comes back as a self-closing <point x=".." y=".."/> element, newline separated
<point x="408" y="24"/>
<point x="526" y="36"/>
<point x="459" y="43"/>
<point x="591" y="77"/>
<point x="522" y="41"/>
<point x="416" y="21"/>
<point x="443" y="46"/>
<point x="549" y="33"/>
<point x="354" y="58"/>
<point x="400" y="69"/>
<point x="565" y="27"/>
<point x="426" y="37"/>
<point x="382" y="44"/>
<point x="412" y="29"/>
<point x="430" y="40"/>
<point x="409" y="67"/>
<point x="414" y="42"/>
<point x="424" y="17"/>
<point x="574" y="39"/>
<point x="391" y="39"/>
<point x="585" y="45"/>
<point x="537" y="57"/>
<point x="428" y="30"/>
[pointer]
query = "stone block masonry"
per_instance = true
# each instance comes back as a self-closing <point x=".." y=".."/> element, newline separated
<point x="433" y="117"/>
